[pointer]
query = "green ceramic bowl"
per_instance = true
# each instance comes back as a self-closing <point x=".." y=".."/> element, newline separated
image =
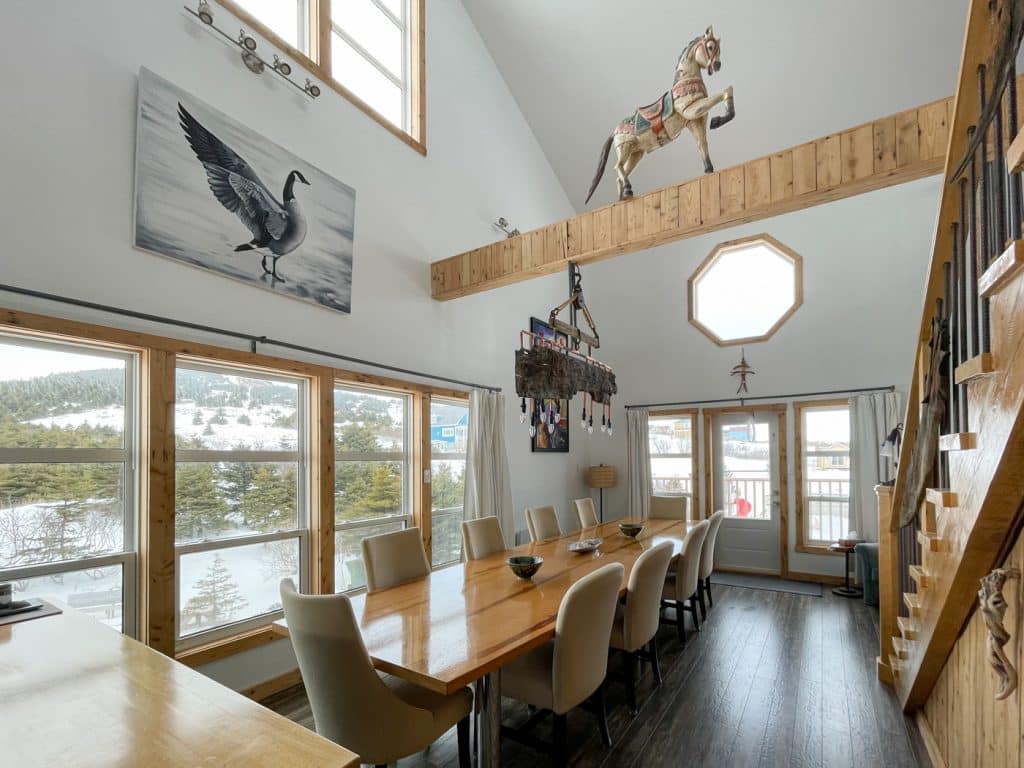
<point x="631" y="529"/>
<point x="524" y="566"/>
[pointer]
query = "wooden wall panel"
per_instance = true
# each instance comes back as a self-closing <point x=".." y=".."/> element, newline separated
<point x="781" y="170"/>
<point x="884" y="141"/>
<point x="829" y="161"/>
<point x="757" y="183"/>
<point x="805" y="169"/>
<point x="689" y="205"/>
<point x="857" y="148"/>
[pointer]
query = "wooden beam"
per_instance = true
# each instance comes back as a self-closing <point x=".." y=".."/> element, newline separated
<point x="891" y="150"/>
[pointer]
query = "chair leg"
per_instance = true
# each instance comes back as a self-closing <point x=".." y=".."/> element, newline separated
<point x="652" y="649"/>
<point x="700" y="599"/>
<point x="631" y="682"/>
<point x="602" y="716"/>
<point x="463" y="734"/>
<point x="707" y="585"/>
<point x="693" y="613"/>
<point x="561" y="743"/>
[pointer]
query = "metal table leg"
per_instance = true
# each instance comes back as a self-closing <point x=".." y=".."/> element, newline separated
<point x="489" y="755"/>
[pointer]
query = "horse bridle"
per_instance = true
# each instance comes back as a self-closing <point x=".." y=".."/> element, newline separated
<point x="708" y="56"/>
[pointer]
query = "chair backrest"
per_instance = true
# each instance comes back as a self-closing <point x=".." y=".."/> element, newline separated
<point x="642" y="612"/>
<point x="482" y="537"/>
<point x="542" y="523"/>
<point x="585" y="512"/>
<point x="351" y="705"/>
<point x="669" y="507"/>
<point x="582" y="632"/>
<point x="392" y="558"/>
<point x="688" y="564"/>
<point x="707" y="557"/>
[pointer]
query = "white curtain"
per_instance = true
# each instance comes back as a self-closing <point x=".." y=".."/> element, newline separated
<point x="638" y="463"/>
<point x="488" y="484"/>
<point x="872" y="417"/>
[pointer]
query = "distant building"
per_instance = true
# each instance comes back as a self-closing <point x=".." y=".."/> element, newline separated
<point x="446" y="437"/>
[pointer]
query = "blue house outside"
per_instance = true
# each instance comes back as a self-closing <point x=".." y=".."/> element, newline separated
<point x="450" y="438"/>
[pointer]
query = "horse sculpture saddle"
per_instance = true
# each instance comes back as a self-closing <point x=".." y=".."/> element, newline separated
<point x="652" y="117"/>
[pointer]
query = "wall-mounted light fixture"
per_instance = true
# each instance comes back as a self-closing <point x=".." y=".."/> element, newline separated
<point x="503" y="224"/>
<point x="247" y="45"/>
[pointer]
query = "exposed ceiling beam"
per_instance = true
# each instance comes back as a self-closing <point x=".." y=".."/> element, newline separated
<point x="892" y="150"/>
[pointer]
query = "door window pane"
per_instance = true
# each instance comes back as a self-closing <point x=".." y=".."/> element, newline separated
<point x="229" y="585"/>
<point x="96" y="592"/>
<point x="746" y="469"/>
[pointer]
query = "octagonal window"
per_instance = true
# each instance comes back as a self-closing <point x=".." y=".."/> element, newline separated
<point x="745" y="290"/>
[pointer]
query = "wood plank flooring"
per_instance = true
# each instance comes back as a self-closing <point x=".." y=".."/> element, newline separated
<point x="773" y="679"/>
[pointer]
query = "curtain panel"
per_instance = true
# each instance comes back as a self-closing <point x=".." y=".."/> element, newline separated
<point x="638" y="463"/>
<point x="872" y="417"/>
<point x="488" y="483"/>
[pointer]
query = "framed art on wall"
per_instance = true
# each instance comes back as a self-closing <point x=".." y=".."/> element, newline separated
<point x="554" y="440"/>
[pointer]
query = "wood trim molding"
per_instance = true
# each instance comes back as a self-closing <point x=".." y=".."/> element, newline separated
<point x="891" y="150"/>
<point x="322" y="484"/>
<point x="783" y="459"/>
<point x="220" y="649"/>
<point x="422" y="500"/>
<point x="318" y="63"/>
<point x="802" y="544"/>
<point x="928" y="737"/>
<point x="268" y="688"/>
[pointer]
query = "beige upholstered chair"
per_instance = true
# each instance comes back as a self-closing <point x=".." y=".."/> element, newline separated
<point x="707" y="563"/>
<point x="571" y="668"/>
<point x="482" y="537"/>
<point x="392" y="558"/>
<point x="636" y="620"/>
<point x="669" y="507"/>
<point x="585" y="512"/>
<point x="680" y="589"/>
<point x="380" y="717"/>
<point x="542" y="523"/>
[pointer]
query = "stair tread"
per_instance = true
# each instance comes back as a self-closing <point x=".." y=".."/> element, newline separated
<point x="907" y="627"/>
<point x="902" y="647"/>
<point x="943" y="498"/>
<point x="979" y="365"/>
<point x="931" y="542"/>
<point x="913" y="602"/>
<point x="920" y="575"/>
<point x="958" y="441"/>
<point x="1002" y="270"/>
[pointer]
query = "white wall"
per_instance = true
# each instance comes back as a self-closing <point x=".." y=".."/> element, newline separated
<point x="68" y="115"/>
<point x="864" y="262"/>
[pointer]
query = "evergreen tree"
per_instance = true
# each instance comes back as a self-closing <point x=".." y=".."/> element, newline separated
<point x="384" y="496"/>
<point x="200" y="508"/>
<point x="197" y="418"/>
<point x="270" y="503"/>
<point x="217" y="597"/>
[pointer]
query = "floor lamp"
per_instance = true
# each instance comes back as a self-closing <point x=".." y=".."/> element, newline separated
<point x="601" y="477"/>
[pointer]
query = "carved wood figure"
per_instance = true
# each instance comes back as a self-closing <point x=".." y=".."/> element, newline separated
<point x="685" y="105"/>
<point x="993" y="609"/>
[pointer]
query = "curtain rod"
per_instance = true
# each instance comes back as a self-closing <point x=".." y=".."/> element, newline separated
<point x="252" y="339"/>
<point x="889" y="388"/>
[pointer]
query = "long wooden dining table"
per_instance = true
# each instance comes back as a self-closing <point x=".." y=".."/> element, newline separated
<point x="463" y="623"/>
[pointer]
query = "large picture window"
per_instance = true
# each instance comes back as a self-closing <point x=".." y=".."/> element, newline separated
<point x="68" y="475"/>
<point x="449" y="429"/>
<point x="372" y="474"/>
<point x="823" y="473"/>
<point x="241" y="490"/>
<point x="670" y="440"/>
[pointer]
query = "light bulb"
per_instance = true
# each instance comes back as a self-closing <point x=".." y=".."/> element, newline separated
<point x="543" y="417"/>
<point x="522" y="417"/>
<point x="533" y="431"/>
<point x="590" y="429"/>
<point x="609" y="431"/>
<point x="551" y="428"/>
<point x="583" y="423"/>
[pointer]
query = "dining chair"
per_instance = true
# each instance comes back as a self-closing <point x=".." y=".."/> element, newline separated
<point x="482" y="537"/>
<point x="669" y="507"/>
<point x="707" y="564"/>
<point x="380" y="717"/>
<point x="542" y="523"/>
<point x="585" y="512"/>
<point x="680" y="587"/>
<point x="565" y="672"/>
<point x="392" y="558"/>
<point x="636" y="620"/>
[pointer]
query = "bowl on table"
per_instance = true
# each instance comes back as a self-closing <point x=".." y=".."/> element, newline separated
<point x="524" y="566"/>
<point x="631" y="529"/>
<point x="585" y="545"/>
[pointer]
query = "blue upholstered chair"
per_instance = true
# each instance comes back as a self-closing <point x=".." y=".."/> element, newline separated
<point x="868" y="554"/>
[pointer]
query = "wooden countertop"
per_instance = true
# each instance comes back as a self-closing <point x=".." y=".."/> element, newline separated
<point x="76" y="693"/>
<point x="461" y="622"/>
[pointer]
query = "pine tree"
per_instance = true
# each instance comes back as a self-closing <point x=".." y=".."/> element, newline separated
<point x="270" y="503"/>
<point x="197" y="418"/>
<point x="217" y="597"/>
<point x="200" y="508"/>
<point x="385" y="493"/>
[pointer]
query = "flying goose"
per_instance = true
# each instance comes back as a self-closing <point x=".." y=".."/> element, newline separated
<point x="279" y="227"/>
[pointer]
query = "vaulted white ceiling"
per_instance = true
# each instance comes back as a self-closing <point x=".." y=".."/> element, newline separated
<point x="799" y="68"/>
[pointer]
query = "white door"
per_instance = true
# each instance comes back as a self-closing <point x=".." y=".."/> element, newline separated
<point x="745" y="483"/>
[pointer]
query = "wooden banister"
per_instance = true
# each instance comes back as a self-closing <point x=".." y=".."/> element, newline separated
<point x="888" y="582"/>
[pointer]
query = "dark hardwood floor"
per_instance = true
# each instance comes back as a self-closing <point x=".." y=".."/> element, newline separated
<point x="773" y="679"/>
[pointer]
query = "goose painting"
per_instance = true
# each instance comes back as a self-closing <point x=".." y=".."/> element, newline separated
<point x="213" y="194"/>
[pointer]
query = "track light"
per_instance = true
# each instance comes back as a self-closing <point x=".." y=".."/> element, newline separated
<point x="282" y="66"/>
<point x="312" y="89"/>
<point x="246" y="41"/>
<point x="204" y="12"/>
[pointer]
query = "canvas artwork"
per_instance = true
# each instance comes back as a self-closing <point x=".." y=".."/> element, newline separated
<point x="546" y="441"/>
<point x="214" y="194"/>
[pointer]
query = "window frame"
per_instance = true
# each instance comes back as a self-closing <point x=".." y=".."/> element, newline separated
<point x="692" y="415"/>
<point x="319" y="27"/>
<point x="128" y="456"/>
<point x="804" y="543"/>
<point x="461" y="402"/>
<point x="301" y="456"/>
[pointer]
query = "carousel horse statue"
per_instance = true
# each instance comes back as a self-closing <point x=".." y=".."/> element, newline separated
<point x="686" y="105"/>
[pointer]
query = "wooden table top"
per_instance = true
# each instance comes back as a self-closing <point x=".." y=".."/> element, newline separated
<point x="461" y="622"/>
<point x="74" y="692"/>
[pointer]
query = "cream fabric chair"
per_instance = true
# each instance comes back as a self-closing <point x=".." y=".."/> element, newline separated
<point x="707" y="563"/>
<point x="482" y="537"/>
<point x="680" y="589"/>
<point x="585" y="513"/>
<point x="380" y="717"/>
<point x="669" y="507"/>
<point x="392" y="558"/>
<point x="542" y="523"/>
<point x="636" y="620"/>
<point x="571" y="668"/>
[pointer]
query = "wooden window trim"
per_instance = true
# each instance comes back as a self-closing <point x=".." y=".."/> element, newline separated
<point x="158" y="359"/>
<point x="318" y="63"/>
<point x="804" y="545"/>
<point x="695" y="500"/>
